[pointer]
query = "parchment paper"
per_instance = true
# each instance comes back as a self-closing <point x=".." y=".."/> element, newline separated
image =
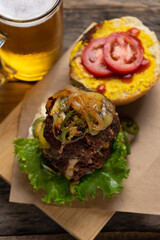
<point x="142" y="188"/>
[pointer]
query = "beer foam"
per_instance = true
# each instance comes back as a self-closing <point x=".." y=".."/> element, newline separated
<point x="25" y="10"/>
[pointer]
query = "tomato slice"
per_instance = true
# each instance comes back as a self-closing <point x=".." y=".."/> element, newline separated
<point x="123" y="53"/>
<point x="93" y="58"/>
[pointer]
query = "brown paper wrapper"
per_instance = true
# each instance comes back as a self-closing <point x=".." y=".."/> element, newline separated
<point x="141" y="193"/>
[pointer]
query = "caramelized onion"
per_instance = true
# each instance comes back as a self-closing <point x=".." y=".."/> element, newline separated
<point x="86" y="117"/>
<point x="91" y="106"/>
<point x="62" y="93"/>
<point x="76" y="100"/>
<point x="98" y="119"/>
<point x="49" y="103"/>
<point x="71" y="88"/>
<point x="55" y="107"/>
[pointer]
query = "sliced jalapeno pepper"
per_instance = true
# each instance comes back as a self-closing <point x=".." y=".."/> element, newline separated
<point x="130" y="126"/>
<point x="71" y="113"/>
<point x="36" y="127"/>
<point x="43" y="143"/>
<point x="127" y="143"/>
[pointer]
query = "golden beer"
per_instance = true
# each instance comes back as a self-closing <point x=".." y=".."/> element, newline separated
<point x="34" y="37"/>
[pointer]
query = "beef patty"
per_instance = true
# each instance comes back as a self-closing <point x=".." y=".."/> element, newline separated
<point x="82" y="156"/>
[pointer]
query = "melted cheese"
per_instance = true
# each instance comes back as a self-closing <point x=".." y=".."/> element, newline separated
<point x="70" y="168"/>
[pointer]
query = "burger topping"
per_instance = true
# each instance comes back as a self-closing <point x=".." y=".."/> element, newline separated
<point x="120" y="52"/>
<point x="77" y="135"/>
<point x="70" y="169"/>
<point x="123" y="53"/>
<point x="37" y="125"/>
<point x="93" y="58"/>
<point x="101" y="88"/>
<point x="77" y="112"/>
<point x="134" y="31"/>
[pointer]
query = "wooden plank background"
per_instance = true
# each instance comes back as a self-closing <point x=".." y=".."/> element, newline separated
<point x="101" y="236"/>
<point x="20" y="221"/>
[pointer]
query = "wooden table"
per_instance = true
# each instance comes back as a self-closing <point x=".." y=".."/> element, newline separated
<point x="20" y="221"/>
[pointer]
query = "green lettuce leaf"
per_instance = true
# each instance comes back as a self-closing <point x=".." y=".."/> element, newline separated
<point x="109" y="178"/>
<point x="29" y="159"/>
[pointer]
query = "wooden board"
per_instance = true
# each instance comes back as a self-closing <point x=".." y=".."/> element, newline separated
<point x="8" y="129"/>
<point x="81" y="223"/>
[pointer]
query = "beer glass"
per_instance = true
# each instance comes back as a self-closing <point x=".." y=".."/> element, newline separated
<point x="30" y="38"/>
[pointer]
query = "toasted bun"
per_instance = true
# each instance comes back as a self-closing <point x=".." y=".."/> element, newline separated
<point x="118" y="91"/>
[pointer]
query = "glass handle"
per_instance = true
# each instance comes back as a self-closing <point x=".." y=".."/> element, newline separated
<point x="3" y="38"/>
<point x="3" y="76"/>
